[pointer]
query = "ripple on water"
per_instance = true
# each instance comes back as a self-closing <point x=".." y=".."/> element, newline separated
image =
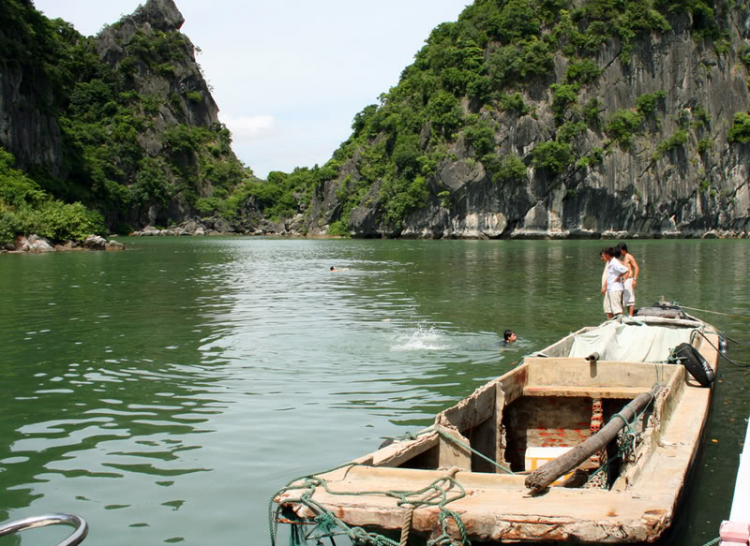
<point x="188" y="380"/>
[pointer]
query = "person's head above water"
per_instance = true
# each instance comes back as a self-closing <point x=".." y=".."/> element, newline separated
<point x="509" y="336"/>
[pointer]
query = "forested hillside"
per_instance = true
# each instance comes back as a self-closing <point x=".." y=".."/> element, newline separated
<point x="548" y="118"/>
<point x="524" y="118"/>
<point x="123" y="124"/>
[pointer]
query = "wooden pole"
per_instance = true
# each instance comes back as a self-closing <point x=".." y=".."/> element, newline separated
<point x="548" y="473"/>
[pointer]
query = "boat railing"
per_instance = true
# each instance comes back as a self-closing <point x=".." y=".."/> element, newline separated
<point x="80" y="531"/>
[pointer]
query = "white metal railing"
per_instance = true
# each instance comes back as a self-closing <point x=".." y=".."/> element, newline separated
<point x="79" y="533"/>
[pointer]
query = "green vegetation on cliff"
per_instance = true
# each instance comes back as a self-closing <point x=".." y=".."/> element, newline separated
<point x="25" y="208"/>
<point x="136" y="138"/>
<point x="141" y="142"/>
<point x="471" y="77"/>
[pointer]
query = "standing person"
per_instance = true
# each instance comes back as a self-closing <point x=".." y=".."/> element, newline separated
<point x="628" y="294"/>
<point x="612" y="287"/>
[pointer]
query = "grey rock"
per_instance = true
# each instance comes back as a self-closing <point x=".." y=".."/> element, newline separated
<point x="34" y="244"/>
<point x="95" y="242"/>
<point x="114" y="246"/>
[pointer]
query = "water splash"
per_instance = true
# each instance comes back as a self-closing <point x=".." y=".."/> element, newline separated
<point x="424" y="338"/>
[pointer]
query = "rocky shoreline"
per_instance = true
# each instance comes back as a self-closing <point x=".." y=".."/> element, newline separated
<point x="34" y="244"/>
<point x="220" y="226"/>
<point x="296" y="228"/>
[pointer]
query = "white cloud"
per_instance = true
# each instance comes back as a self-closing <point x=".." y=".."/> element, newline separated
<point x="250" y="128"/>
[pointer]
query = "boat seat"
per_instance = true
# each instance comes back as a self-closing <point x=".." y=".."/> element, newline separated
<point x="585" y="392"/>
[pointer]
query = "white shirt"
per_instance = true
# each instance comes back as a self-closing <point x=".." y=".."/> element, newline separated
<point x="615" y="269"/>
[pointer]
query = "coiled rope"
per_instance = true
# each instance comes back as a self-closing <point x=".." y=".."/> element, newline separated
<point x="325" y="522"/>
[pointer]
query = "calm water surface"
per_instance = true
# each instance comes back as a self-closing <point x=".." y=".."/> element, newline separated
<point x="164" y="393"/>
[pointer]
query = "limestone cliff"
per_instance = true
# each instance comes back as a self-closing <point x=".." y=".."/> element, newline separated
<point x="28" y="129"/>
<point x="677" y="175"/>
<point x="123" y="122"/>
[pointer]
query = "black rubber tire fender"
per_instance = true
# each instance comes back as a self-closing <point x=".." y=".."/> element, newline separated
<point x="695" y="364"/>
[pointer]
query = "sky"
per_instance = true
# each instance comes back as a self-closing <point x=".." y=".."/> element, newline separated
<point x="289" y="75"/>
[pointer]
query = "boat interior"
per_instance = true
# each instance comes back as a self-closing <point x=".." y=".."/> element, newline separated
<point x="556" y="399"/>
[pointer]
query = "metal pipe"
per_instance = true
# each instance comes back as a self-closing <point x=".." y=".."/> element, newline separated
<point x="80" y="532"/>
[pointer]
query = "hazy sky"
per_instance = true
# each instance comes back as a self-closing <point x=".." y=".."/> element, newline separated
<point x="289" y="75"/>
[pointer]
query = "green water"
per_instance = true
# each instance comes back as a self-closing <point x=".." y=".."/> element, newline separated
<point x="164" y="393"/>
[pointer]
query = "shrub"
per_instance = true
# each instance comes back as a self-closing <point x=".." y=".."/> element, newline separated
<point x="565" y="95"/>
<point x="740" y="129"/>
<point x="26" y="209"/>
<point x="705" y="144"/>
<point x="591" y="112"/>
<point x="445" y="112"/>
<point x="514" y="103"/>
<point x="700" y="117"/>
<point x="194" y="96"/>
<point x="595" y="157"/>
<point x="675" y="141"/>
<point x="338" y="229"/>
<point x="481" y="137"/>
<point x="552" y="156"/>
<point x="505" y="66"/>
<point x="622" y="125"/>
<point x="401" y="197"/>
<point x="646" y="103"/>
<point x="583" y="71"/>
<point x="510" y="171"/>
<point x="538" y="59"/>
<point x="569" y="130"/>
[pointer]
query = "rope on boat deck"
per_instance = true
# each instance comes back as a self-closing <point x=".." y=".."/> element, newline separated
<point x="325" y="522"/>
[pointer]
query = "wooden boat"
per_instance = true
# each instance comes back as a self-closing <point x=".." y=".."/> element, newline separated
<point x="466" y="477"/>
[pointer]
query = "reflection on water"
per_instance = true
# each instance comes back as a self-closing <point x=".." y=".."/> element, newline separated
<point x="165" y="392"/>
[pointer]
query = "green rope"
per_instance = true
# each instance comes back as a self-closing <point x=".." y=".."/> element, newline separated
<point x="438" y="429"/>
<point x="326" y="522"/>
<point x="712" y="542"/>
<point x="474" y="451"/>
<point x="626" y="447"/>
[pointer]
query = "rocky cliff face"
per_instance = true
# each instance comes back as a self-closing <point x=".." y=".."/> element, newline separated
<point x="132" y="38"/>
<point x="679" y="176"/>
<point x="28" y="130"/>
<point x="123" y="122"/>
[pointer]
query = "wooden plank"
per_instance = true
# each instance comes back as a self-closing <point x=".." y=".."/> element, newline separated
<point x="578" y="372"/>
<point x="398" y="453"/>
<point x="496" y="507"/>
<point x="587" y="392"/>
<point x="451" y="454"/>
<point x="471" y="411"/>
<point x="500" y="439"/>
